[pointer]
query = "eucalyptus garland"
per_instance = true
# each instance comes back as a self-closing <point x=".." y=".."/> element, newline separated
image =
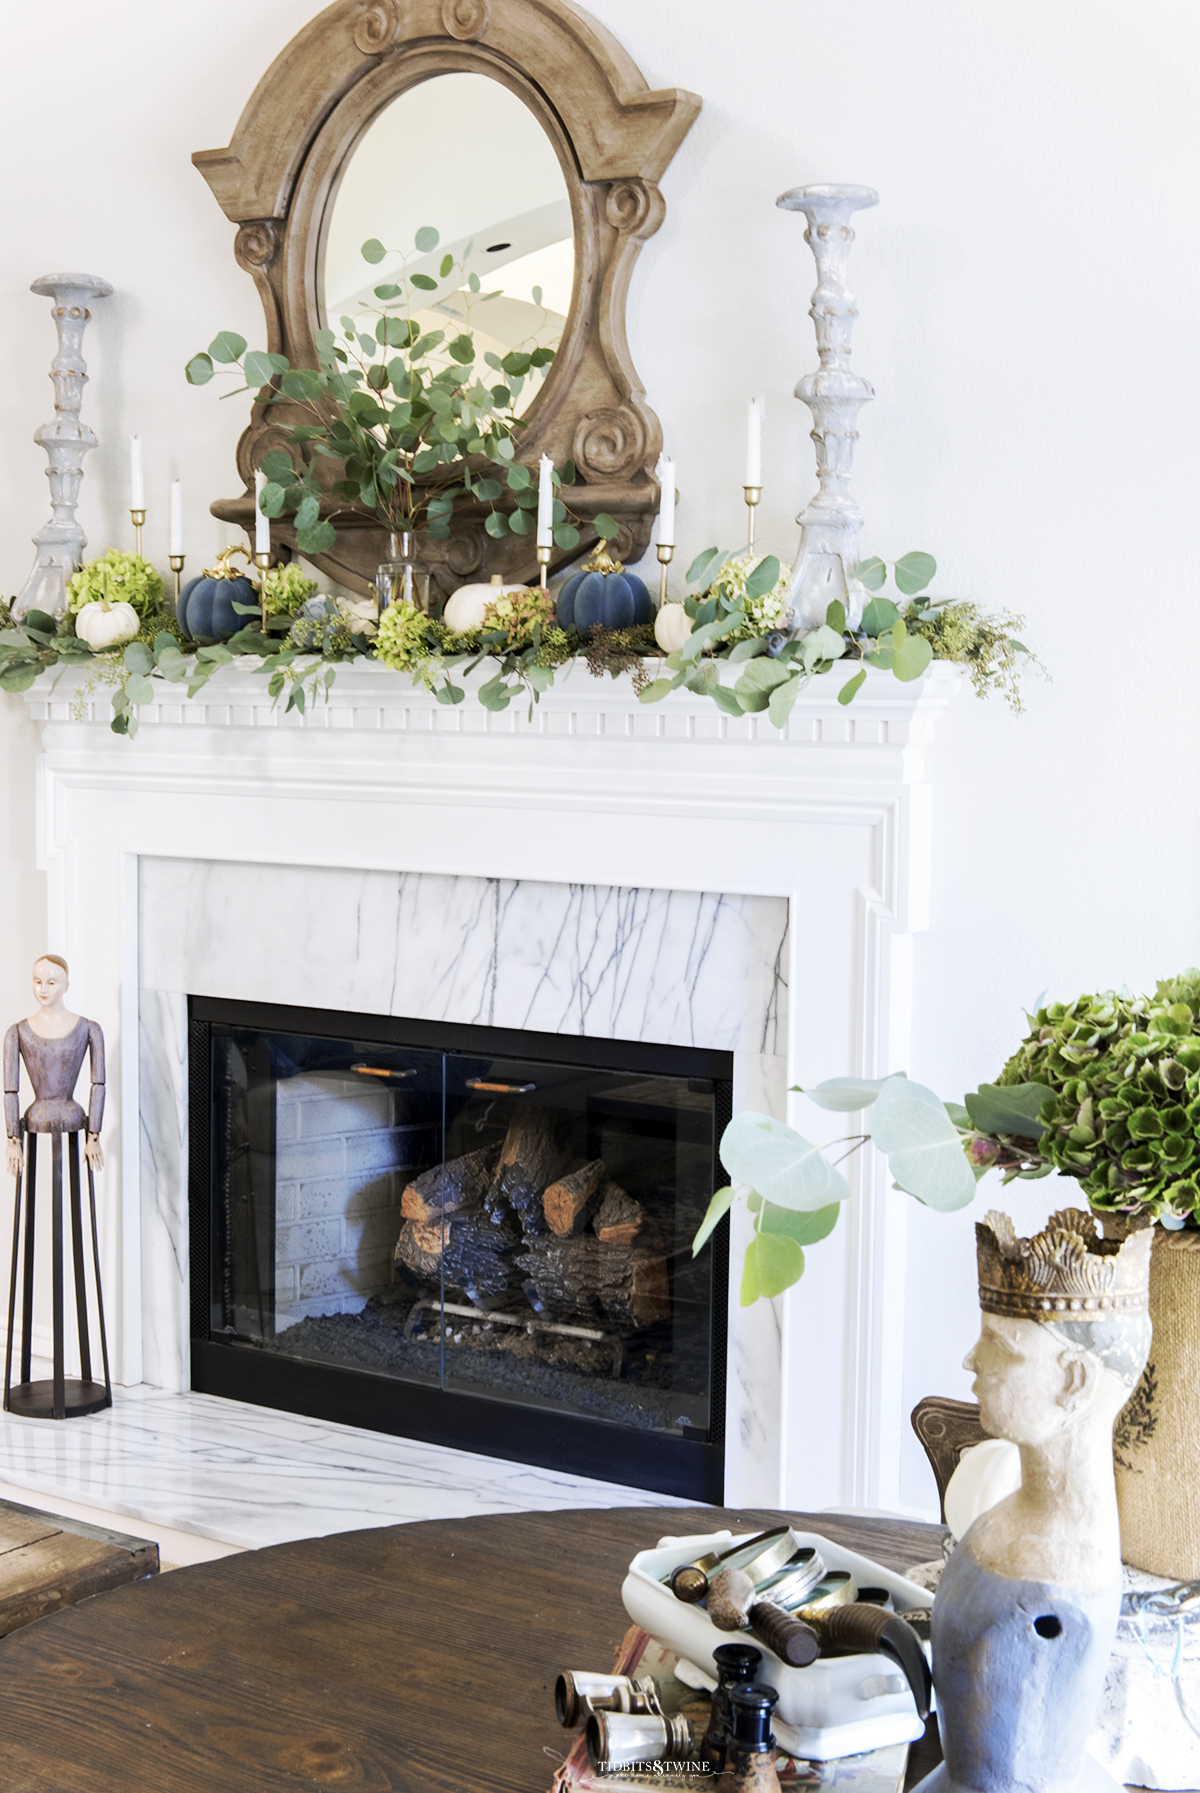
<point x="737" y="618"/>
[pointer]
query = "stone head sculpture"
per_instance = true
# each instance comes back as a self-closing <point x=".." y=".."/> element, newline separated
<point x="1027" y="1608"/>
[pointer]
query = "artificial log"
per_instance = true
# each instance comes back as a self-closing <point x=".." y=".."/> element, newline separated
<point x="448" y="1188"/>
<point x="581" y="1278"/>
<point x="570" y="1203"/>
<point x="620" y="1219"/>
<point x="420" y="1247"/>
<point x="465" y="1253"/>
<point x="530" y="1158"/>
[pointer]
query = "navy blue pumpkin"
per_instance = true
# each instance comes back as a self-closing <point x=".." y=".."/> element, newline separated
<point x="604" y="597"/>
<point x="204" y="608"/>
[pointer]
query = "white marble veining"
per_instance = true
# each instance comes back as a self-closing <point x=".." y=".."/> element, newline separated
<point x="678" y="967"/>
<point x="250" y="1476"/>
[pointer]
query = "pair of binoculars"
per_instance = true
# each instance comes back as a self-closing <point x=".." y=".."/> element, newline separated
<point x="624" y="1719"/>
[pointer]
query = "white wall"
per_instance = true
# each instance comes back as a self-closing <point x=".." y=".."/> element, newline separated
<point x="1027" y="288"/>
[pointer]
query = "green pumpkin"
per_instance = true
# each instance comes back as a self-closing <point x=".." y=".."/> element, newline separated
<point x="204" y="608"/>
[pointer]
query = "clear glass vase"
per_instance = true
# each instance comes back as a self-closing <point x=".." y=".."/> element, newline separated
<point x="398" y="579"/>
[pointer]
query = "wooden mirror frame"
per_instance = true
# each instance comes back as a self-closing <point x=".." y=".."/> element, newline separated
<point x="614" y="139"/>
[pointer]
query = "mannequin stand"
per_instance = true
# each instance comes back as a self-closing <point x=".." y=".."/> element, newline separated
<point x="61" y="1397"/>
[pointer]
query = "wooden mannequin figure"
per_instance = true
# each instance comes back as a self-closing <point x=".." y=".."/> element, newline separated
<point x="52" y="1044"/>
<point x="1027" y="1607"/>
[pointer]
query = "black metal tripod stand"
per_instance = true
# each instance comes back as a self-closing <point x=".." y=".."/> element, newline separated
<point x="60" y="1397"/>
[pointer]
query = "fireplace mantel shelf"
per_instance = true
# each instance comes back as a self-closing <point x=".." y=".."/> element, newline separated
<point x="369" y="699"/>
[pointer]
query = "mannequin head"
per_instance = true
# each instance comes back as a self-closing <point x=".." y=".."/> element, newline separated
<point x="49" y="980"/>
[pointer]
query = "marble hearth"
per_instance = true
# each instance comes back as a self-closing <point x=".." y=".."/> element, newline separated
<point x="600" y="868"/>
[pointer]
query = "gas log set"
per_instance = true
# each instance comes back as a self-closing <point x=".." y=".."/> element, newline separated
<point x="521" y="1226"/>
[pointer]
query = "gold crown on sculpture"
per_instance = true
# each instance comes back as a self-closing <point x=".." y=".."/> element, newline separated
<point x="1067" y="1271"/>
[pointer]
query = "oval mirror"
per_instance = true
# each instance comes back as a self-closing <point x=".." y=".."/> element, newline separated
<point x="494" y="192"/>
<point x="524" y="136"/>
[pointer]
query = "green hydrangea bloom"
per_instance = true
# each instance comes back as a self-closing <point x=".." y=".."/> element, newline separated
<point x="284" y="588"/>
<point x="1126" y="1075"/>
<point x="403" y="639"/>
<point x="120" y="577"/>
<point x="770" y="611"/>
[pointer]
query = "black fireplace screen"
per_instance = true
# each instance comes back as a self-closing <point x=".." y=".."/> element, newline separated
<point x="472" y="1236"/>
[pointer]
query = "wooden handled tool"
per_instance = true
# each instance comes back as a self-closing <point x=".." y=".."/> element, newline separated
<point x="872" y="1629"/>
<point x="732" y="1607"/>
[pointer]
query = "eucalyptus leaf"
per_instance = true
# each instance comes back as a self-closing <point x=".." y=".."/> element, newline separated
<point x="777" y="1264"/>
<point x="424" y="283"/>
<point x="137" y="657"/>
<point x="753" y="689"/>
<point x="846" y="1095"/>
<point x="782" y="701"/>
<point x="805" y="1229"/>
<point x="606" y="526"/>
<point x="1011" y="1109"/>
<point x="835" y="617"/>
<point x="774" y="1159"/>
<point x="427" y="239"/>
<point x="823" y="643"/>
<point x="924" y="1149"/>
<point x="913" y="572"/>
<point x="227" y="345"/>
<point x="846" y="694"/>
<point x="373" y="250"/>
<point x="748" y="650"/>
<point x="199" y="370"/>
<point x="655" y="691"/>
<point x="762" y="578"/>
<point x="879" y="616"/>
<point x="872" y="573"/>
<point x="720" y="1205"/>
<point x="726" y="700"/>
<point x="912" y="657"/>
<point x="139" y="688"/>
<point x="701" y="565"/>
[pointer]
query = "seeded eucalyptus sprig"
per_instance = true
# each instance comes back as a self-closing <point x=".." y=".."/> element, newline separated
<point x="413" y="423"/>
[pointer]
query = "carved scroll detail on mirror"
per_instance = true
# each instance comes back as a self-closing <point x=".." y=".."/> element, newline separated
<point x="613" y="138"/>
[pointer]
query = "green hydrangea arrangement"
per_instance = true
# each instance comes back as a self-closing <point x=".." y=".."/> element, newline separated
<point x="735" y="585"/>
<point x="1122" y="1112"/>
<point x="121" y="578"/>
<point x="283" y="588"/>
<point x="518" y="613"/>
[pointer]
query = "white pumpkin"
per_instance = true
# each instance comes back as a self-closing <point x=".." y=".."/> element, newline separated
<point x="103" y="625"/>
<point x="672" y="626"/>
<point x="987" y="1473"/>
<point x="465" y="607"/>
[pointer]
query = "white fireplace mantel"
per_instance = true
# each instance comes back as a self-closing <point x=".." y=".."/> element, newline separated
<point x="595" y="790"/>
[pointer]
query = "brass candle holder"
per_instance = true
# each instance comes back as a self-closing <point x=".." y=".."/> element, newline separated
<point x="666" y="553"/>
<point x="138" y="517"/>
<point x="543" y="560"/>
<point x="176" y="564"/>
<point x="753" y="496"/>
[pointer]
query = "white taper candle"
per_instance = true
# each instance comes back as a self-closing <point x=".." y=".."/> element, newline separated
<point x="666" y="507"/>
<point x="545" y="509"/>
<point x="137" y="481"/>
<point x="262" y="524"/>
<point x="175" y="541"/>
<point x="754" y="429"/>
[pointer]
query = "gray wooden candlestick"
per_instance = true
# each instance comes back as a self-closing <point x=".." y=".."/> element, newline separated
<point x="66" y="440"/>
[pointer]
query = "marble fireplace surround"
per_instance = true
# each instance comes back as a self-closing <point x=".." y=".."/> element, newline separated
<point x="605" y="868"/>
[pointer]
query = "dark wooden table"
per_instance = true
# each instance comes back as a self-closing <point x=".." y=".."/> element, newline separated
<point x="412" y="1659"/>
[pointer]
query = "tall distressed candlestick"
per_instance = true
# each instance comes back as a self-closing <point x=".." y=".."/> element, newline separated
<point x="830" y="524"/>
<point x="61" y="542"/>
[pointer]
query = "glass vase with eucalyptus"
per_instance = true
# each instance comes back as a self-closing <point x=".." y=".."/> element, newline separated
<point x="398" y="579"/>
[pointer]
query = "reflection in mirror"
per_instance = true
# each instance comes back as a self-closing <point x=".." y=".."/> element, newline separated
<point x="492" y="188"/>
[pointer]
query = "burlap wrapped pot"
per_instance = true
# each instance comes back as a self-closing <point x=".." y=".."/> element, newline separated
<point x="1156" y="1440"/>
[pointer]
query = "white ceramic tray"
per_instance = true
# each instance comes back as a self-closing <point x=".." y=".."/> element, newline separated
<point x="839" y="1705"/>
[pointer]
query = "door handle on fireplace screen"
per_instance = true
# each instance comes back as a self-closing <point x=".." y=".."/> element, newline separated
<point x="382" y="1071"/>
<point x="501" y="1089"/>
